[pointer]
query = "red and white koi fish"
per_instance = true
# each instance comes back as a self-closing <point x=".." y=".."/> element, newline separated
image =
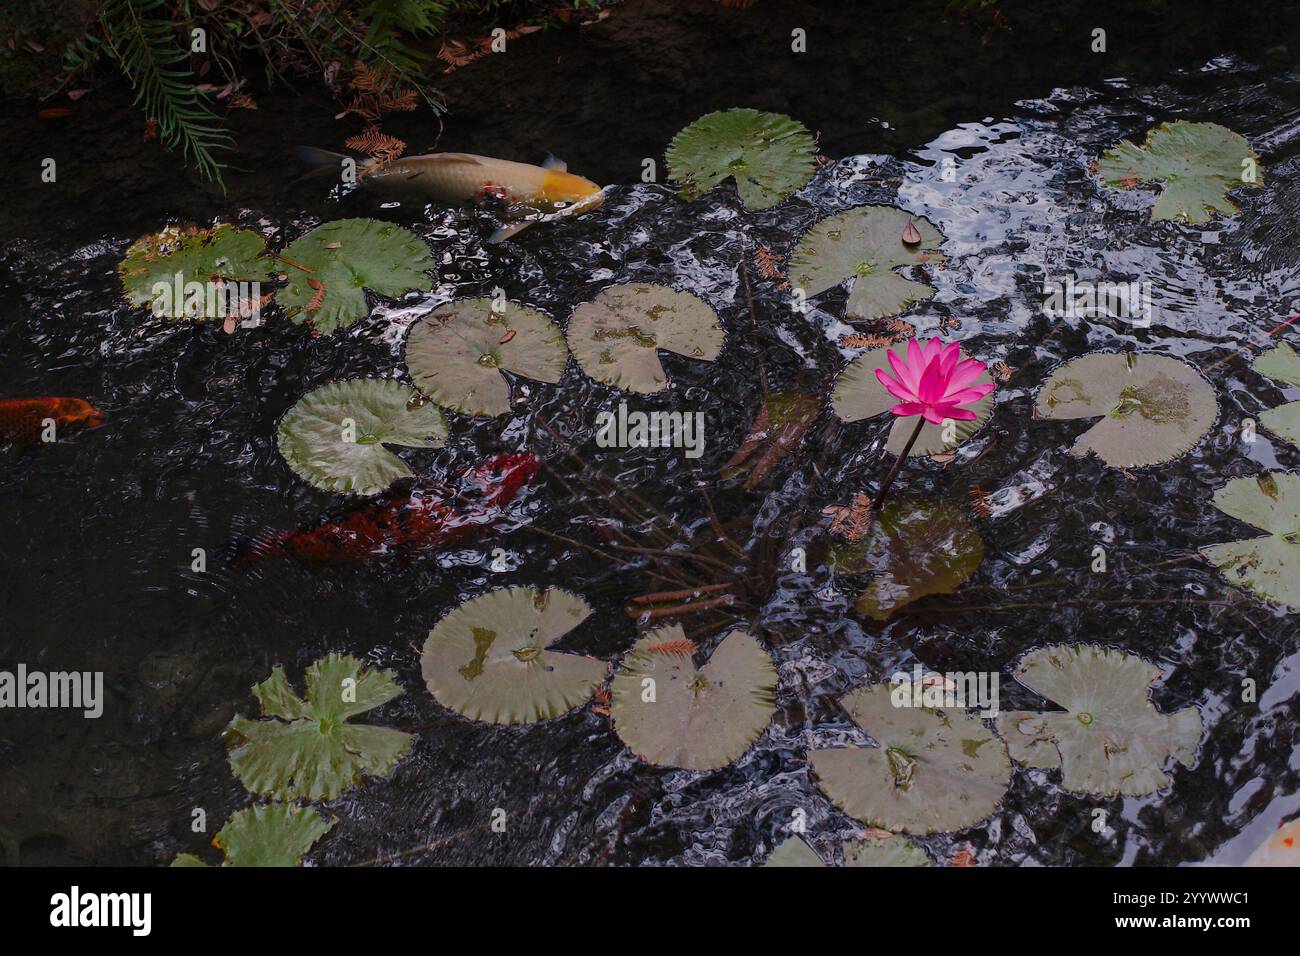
<point x="411" y="524"/>
<point x="528" y="193"/>
<point x="25" y="420"/>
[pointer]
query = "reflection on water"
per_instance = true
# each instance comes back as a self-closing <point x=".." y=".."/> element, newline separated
<point x="103" y="528"/>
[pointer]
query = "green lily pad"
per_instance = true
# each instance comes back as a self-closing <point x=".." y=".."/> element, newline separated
<point x="1110" y="739"/>
<point x="1269" y="566"/>
<point x="344" y="258"/>
<point x="865" y="246"/>
<point x="671" y="713"/>
<point x="307" y="750"/>
<point x="222" y="254"/>
<point x="616" y="336"/>
<point x="276" y="834"/>
<point x="769" y="156"/>
<point x="1197" y="163"/>
<point x="915" y="547"/>
<point x="334" y="436"/>
<point x="930" y="771"/>
<point x="891" y="851"/>
<point x="457" y="353"/>
<point x="1283" y="364"/>
<point x="858" y="394"/>
<point x="488" y="658"/>
<point x="1152" y="408"/>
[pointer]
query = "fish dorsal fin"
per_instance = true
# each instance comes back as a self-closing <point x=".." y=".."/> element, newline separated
<point x="554" y="162"/>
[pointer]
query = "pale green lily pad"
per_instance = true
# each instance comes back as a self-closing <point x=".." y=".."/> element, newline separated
<point x="671" y="713"/>
<point x="931" y="770"/>
<point x="334" y="436"/>
<point x="1152" y="408"/>
<point x="1269" y="566"/>
<point x="1110" y="739"/>
<point x="769" y="156"/>
<point x="1283" y="364"/>
<point x="1197" y="163"/>
<point x="1280" y="363"/>
<point x="865" y="246"/>
<point x="345" y="257"/>
<point x="488" y="659"/>
<point x="457" y="353"/>
<point x="223" y="254"/>
<point x="915" y="547"/>
<point x="891" y="851"/>
<point x="858" y="394"/>
<point x="616" y="336"/>
<point x="307" y="750"/>
<point x="276" y="834"/>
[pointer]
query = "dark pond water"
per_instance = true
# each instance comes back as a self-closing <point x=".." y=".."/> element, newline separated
<point x="100" y="529"/>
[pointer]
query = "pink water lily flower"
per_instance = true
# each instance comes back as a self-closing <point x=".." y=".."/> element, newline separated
<point x="934" y="382"/>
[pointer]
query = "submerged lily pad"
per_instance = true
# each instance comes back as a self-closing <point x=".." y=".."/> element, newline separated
<point x="930" y="771"/>
<point x="915" y="547"/>
<point x="1152" y="408"/>
<point x="891" y="851"/>
<point x="671" y="713"/>
<point x="339" y="260"/>
<point x="488" y="658"/>
<point x="858" y="394"/>
<point x="1269" y="566"/>
<point x="1197" y="163"/>
<point x="769" y="156"/>
<point x="457" y="353"/>
<point x="277" y="834"/>
<point x="616" y="336"/>
<point x="223" y="254"/>
<point x="865" y="246"/>
<point x="1281" y="363"/>
<point x="334" y="436"/>
<point x="1110" y="739"/>
<point x="307" y="750"/>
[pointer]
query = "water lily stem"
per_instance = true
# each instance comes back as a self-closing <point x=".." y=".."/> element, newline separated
<point x="898" y="463"/>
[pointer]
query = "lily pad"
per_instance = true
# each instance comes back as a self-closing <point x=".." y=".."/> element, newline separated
<point x="1283" y="364"/>
<point x="616" y="336"/>
<point x="915" y="547"/>
<point x="456" y="354"/>
<point x="277" y="834"/>
<point x="930" y="771"/>
<point x="1269" y="566"/>
<point x="488" y="658"/>
<point x="671" y="713"/>
<point x="223" y="254"/>
<point x="1197" y="163"/>
<point x="1110" y="739"/>
<point x="334" y="436"/>
<point x="858" y="394"/>
<point x="307" y="750"/>
<point x="337" y="261"/>
<point x="891" y="851"/>
<point x="1152" y="408"/>
<point x="769" y="156"/>
<point x="865" y="246"/>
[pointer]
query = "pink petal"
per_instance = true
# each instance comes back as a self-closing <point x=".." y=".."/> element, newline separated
<point x="931" y="389"/>
<point x="933" y="348"/>
<point x="895" y="389"/>
<point x="915" y="358"/>
<point x="933" y="415"/>
<point x="965" y="372"/>
<point x="964" y="396"/>
<point x="948" y="359"/>
<point x="908" y="409"/>
<point x="955" y="413"/>
<point x="907" y="376"/>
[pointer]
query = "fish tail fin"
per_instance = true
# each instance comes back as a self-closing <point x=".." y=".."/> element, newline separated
<point x="508" y="231"/>
<point x="247" y="551"/>
<point x="321" y="157"/>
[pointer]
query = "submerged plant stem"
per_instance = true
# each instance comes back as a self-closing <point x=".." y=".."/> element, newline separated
<point x="898" y="463"/>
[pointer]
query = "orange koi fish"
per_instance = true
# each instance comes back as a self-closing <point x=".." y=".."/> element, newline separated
<point x="25" y="420"/>
<point x="405" y="525"/>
